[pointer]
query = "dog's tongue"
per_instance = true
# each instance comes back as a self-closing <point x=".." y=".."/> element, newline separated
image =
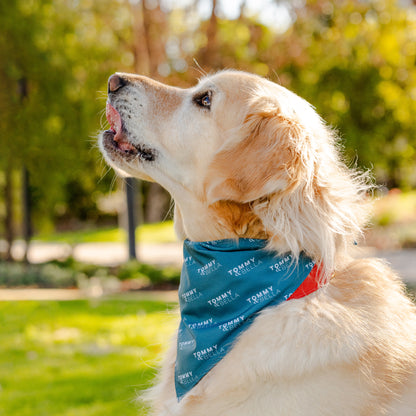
<point x="114" y="119"/>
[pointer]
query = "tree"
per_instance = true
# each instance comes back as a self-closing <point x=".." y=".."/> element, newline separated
<point x="355" y="63"/>
<point x="49" y="50"/>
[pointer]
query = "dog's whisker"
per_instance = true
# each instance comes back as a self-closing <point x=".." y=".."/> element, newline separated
<point x="105" y="174"/>
<point x="101" y="95"/>
<point x="113" y="182"/>
<point x="103" y="120"/>
<point x="199" y="68"/>
<point x="169" y="213"/>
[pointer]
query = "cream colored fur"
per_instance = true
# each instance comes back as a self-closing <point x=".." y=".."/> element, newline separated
<point x="261" y="163"/>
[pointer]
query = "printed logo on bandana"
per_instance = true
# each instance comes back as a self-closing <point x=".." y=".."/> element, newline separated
<point x="206" y="353"/>
<point x="223" y="299"/>
<point x="200" y="325"/>
<point x="187" y="378"/>
<point x="310" y="265"/>
<point x="191" y="295"/>
<point x="209" y="268"/>
<point x="282" y="265"/>
<point x="262" y="296"/>
<point x="188" y="260"/>
<point x="233" y="323"/>
<point x="243" y="268"/>
<point x="184" y="345"/>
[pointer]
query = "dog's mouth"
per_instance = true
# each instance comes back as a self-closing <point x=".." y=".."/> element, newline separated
<point x="116" y="140"/>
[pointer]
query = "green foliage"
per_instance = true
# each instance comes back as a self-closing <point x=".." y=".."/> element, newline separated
<point x="51" y="50"/>
<point x="80" y="357"/>
<point x="355" y="64"/>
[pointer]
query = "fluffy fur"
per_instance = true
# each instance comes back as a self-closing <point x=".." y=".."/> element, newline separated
<point x="259" y="162"/>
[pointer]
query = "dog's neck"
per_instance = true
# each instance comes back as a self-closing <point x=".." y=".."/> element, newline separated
<point x="238" y="220"/>
<point x="221" y="220"/>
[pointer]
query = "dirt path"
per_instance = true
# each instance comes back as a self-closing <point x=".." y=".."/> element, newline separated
<point x="76" y="294"/>
<point x="106" y="254"/>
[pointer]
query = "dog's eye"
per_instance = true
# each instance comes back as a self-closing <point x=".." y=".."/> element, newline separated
<point x="204" y="100"/>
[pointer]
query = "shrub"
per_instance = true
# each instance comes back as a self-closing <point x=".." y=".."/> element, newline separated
<point x="46" y="276"/>
<point x="70" y="273"/>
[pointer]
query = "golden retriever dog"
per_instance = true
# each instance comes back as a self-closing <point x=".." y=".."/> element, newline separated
<point x="244" y="158"/>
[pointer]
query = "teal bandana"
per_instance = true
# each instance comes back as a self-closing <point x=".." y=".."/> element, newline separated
<point x="224" y="284"/>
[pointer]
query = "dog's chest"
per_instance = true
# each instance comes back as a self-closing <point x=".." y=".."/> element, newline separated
<point x="265" y="375"/>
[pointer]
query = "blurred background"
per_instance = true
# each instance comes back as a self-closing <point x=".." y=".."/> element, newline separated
<point x="64" y="213"/>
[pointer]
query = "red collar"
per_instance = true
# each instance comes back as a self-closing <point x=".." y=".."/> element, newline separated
<point x="310" y="284"/>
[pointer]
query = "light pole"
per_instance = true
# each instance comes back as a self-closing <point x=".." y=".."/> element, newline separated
<point x="131" y="218"/>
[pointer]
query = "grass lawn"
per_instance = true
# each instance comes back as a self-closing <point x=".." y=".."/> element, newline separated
<point x="146" y="233"/>
<point x="80" y="358"/>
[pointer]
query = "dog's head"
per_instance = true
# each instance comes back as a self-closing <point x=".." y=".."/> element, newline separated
<point x="241" y="156"/>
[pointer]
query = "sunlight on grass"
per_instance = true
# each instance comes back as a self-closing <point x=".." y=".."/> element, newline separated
<point x="162" y="232"/>
<point x="393" y="224"/>
<point x="395" y="207"/>
<point x="80" y="357"/>
<point x="147" y="233"/>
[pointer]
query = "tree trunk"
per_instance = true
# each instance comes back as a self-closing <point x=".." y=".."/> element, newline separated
<point x="209" y="56"/>
<point x="157" y="203"/>
<point x="154" y="27"/>
<point x="8" y="222"/>
<point x="243" y="7"/>
<point x="211" y="53"/>
<point x="140" y="48"/>
<point x="131" y="217"/>
<point x="26" y="210"/>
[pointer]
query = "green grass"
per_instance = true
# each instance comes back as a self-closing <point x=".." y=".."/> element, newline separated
<point x="147" y="233"/>
<point x="80" y="358"/>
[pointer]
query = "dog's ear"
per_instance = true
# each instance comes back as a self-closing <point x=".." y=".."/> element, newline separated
<point x="265" y="161"/>
<point x="288" y="168"/>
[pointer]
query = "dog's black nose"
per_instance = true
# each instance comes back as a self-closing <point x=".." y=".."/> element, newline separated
<point x="115" y="82"/>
